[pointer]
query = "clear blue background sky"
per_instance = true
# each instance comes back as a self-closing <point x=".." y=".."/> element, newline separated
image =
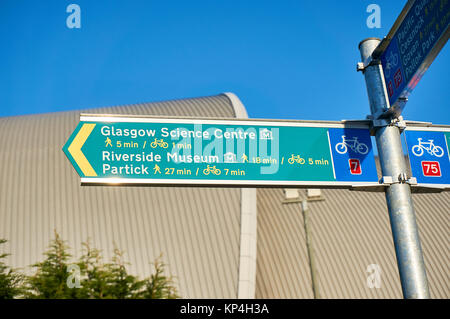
<point x="284" y="59"/>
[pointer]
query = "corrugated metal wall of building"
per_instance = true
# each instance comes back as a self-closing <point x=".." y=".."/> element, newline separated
<point x="197" y="229"/>
<point x="350" y="231"/>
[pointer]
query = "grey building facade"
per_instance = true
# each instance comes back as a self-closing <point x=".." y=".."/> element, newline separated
<point x="217" y="242"/>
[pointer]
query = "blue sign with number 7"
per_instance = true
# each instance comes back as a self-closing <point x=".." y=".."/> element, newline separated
<point x="352" y="154"/>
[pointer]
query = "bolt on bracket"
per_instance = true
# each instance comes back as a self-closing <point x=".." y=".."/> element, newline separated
<point x="402" y="178"/>
<point x="412" y="181"/>
<point x="399" y="122"/>
<point x="383" y="122"/>
<point x="361" y="66"/>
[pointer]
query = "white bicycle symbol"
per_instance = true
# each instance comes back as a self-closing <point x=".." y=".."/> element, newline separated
<point x="392" y="62"/>
<point x="354" y="145"/>
<point x="429" y="146"/>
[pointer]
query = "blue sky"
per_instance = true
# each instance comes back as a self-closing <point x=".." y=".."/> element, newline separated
<point x="284" y="59"/>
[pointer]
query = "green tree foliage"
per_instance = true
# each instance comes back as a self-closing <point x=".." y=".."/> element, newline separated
<point x="96" y="277"/>
<point x="50" y="280"/>
<point x="158" y="286"/>
<point x="106" y="281"/>
<point x="10" y="280"/>
<point x="122" y="285"/>
<point x="90" y="278"/>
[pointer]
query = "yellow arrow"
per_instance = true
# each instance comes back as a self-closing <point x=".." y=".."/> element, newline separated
<point x="75" y="150"/>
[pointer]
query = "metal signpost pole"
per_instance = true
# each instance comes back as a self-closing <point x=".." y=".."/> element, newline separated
<point x="398" y="193"/>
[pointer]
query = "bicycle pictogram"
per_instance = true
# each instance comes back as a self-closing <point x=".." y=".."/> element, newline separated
<point x="433" y="150"/>
<point x="159" y="143"/>
<point x="391" y="63"/>
<point x="355" y="146"/>
<point x="296" y="158"/>
<point x="211" y="169"/>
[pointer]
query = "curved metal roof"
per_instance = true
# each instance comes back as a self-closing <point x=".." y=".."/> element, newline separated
<point x="207" y="235"/>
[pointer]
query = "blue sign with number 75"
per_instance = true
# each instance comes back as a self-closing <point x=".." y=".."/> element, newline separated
<point x="429" y="156"/>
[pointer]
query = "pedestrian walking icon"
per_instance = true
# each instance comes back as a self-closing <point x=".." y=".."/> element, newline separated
<point x="108" y="142"/>
<point x="156" y="169"/>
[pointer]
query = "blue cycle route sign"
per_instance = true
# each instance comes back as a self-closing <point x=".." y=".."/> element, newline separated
<point x="351" y="149"/>
<point x="419" y="36"/>
<point x="428" y="151"/>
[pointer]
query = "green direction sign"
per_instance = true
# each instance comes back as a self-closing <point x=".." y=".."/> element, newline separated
<point x="131" y="150"/>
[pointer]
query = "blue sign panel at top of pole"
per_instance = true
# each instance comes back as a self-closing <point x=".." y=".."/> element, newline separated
<point x="418" y="39"/>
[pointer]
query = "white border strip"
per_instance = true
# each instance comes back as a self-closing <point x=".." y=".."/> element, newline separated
<point x="331" y="154"/>
<point x="218" y="182"/>
<point x="429" y="185"/>
<point x="113" y="119"/>
<point x="427" y="128"/>
<point x="448" y="148"/>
